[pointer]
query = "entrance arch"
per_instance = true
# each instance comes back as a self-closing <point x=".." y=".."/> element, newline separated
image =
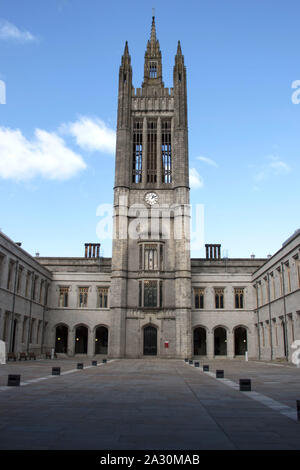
<point x="101" y="340"/>
<point x="200" y="341"/>
<point x="220" y="341"/>
<point x="61" y="339"/>
<point x="150" y="340"/>
<point x="240" y="341"/>
<point x="81" y="340"/>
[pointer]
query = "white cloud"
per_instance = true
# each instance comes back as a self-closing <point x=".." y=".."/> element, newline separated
<point x="207" y="160"/>
<point x="91" y="134"/>
<point x="9" y="31"/>
<point x="46" y="156"/>
<point x="274" y="167"/>
<point x="196" y="181"/>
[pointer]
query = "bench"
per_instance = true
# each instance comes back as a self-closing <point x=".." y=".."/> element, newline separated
<point x="32" y="356"/>
<point x="11" y="355"/>
<point x="48" y="355"/>
<point x="22" y="356"/>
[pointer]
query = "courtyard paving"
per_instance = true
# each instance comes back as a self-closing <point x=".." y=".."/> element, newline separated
<point x="149" y="404"/>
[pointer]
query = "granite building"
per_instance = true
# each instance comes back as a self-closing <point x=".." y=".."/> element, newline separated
<point x="151" y="298"/>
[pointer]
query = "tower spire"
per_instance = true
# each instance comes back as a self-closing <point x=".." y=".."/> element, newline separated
<point x="153" y="65"/>
<point x="153" y="32"/>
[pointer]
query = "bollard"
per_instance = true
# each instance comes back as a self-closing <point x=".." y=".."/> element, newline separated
<point x="79" y="365"/>
<point x="55" y="370"/>
<point x="186" y="360"/>
<point x="219" y="374"/>
<point x="205" y="368"/>
<point x="245" y="385"/>
<point x="104" y="361"/>
<point x="298" y="410"/>
<point x="94" y="363"/>
<point x="13" y="380"/>
<point x="196" y="364"/>
<point x="190" y="361"/>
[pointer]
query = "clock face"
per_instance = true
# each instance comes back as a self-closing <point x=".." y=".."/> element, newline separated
<point x="151" y="198"/>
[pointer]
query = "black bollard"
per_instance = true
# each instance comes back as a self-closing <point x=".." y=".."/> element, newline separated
<point x="219" y="374"/>
<point x="205" y="368"/>
<point x="13" y="380"/>
<point x="190" y="361"/>
<point x="245" y="385"/>
<point x="94" y="363"/>
<point x="55" y="370"/>
<point x="80" y="365"/>
<point x="196" y="364"/>
<point x="104" y="361"/>
<point x="186" y="360"/>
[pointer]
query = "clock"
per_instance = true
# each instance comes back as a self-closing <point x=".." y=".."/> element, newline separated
<point x="151" y="198"/>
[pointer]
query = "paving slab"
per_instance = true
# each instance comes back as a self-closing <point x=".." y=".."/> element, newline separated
<point x="146" y="404"/>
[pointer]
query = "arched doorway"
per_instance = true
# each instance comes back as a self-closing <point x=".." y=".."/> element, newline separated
<point x="150" y="341"/>
<point x="200" y="341"/>
<point x="240" y="341"/>
<point x="61" y="339"/>
<point x="220" y="342"/>
<point x="81" y="340"/>
<point x="101" y="340"/>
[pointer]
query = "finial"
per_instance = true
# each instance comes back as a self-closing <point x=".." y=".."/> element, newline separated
<point x="153" y="12"/>
<point x="179" y="52"/>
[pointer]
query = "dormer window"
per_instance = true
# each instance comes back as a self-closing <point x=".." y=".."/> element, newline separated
<point x="153" y="69"/>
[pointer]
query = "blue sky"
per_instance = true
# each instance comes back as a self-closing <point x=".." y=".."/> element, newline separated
<point x="59" y="60"/>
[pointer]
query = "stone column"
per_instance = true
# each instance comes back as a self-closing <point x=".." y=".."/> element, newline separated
<point x="91" y="343"/>
<point x="144" y="152"/>
<point x="210" y="344"/>
<point x="230" y="344"/>
<point x="71" y="341"/>
<point x="158" y="152"/>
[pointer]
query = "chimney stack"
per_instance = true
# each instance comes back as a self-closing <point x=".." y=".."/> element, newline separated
<point x="92" y="250"/>
<point x="213" y="251"/>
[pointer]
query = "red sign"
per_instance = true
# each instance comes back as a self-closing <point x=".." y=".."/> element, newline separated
<point x="166" y="344"/>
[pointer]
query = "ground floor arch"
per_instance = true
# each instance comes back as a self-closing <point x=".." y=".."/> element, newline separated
<point x="199" y="337"/>
<point x="81" y="339"/>
<point x="220" y="341"/>
<point x="101" y="340"/>
<point x="61" y="339"/>
<point x="150" y="340"/>
<point x="240" y="341"/>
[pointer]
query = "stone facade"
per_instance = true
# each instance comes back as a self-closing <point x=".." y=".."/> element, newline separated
<point x="151" y="298"/>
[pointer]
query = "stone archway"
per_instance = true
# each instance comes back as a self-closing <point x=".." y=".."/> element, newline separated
<point x="61" y="339"/>
<point x="240" y="341"/>
<point x="220" y="341"/>
<point x="150" y="340"/>
<point x="101" y="340"/>
<point x="81" y="339"/>
<point x="200" y="341"/>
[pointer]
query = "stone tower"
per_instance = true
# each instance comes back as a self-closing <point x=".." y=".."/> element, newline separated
<point x="151" y="269"/>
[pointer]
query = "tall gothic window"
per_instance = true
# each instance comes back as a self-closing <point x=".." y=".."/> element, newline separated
<point x="239" y="297"/>
<point x="219" y="297"/>
<point x="166" y="155"/>
<point x="137" y="152"/>
<point x="199" y="297"/>
<point x="153" y="69"/>
<point x="63" y="297"/>
<point x="151" y="151"/>
<point x="151" y="257"/>
<point x="102" y="297"/>
<point x="83" y="297"/>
